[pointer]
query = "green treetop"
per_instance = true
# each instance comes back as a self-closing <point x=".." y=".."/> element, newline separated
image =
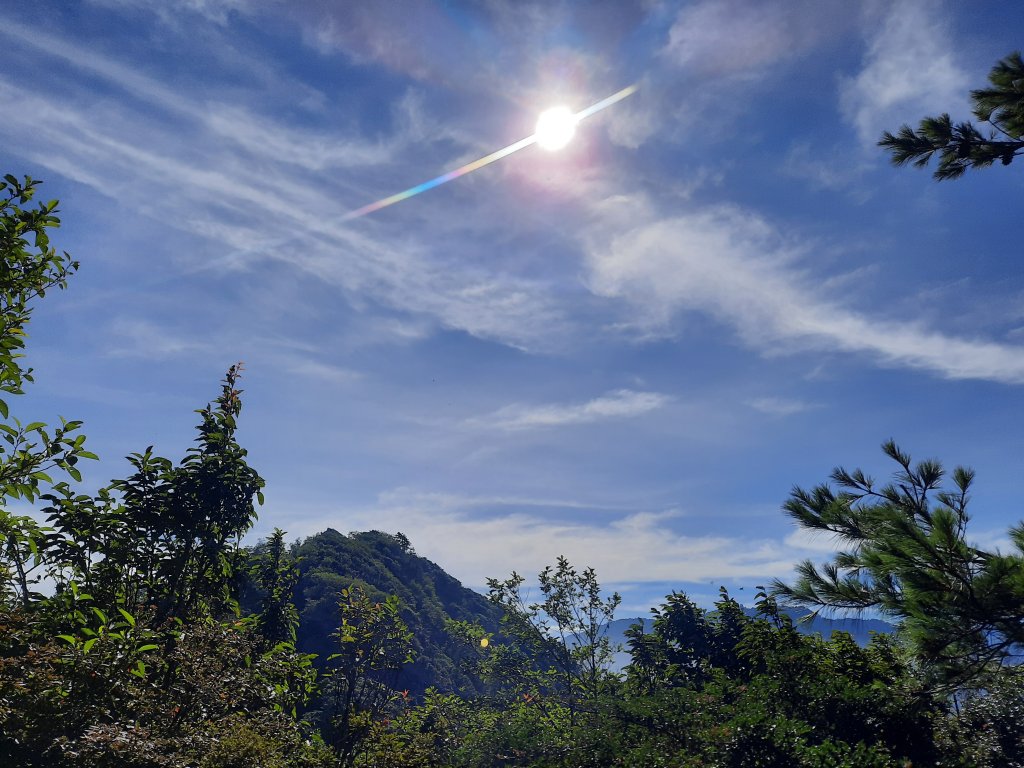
<point x="906" y="554"/>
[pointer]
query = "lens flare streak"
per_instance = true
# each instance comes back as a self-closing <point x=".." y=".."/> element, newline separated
<point x="485" y="160"/>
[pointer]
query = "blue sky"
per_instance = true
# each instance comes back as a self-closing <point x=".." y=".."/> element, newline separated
<point x="627" y="351"/>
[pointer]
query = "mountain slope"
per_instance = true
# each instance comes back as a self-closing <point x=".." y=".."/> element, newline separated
<point x="383" y="565"/>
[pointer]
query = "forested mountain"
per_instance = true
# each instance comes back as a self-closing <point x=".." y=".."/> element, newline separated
<point x="383" y="565"/>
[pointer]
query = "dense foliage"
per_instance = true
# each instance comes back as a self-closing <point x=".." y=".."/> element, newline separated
<point x="137" y="631"/>
<point x="120" y="639"/>
<point x="383" y="564"/>
<point x="907" y="555"/>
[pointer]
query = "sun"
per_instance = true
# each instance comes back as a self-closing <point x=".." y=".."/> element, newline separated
<point x="555" y="128"/>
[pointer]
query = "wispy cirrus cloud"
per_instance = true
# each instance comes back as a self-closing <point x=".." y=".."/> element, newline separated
<point x="781" y="406"/>
<point x="910" y="69"/>
<point x="735" y="266"/>
<point x="226" y="174"/>
<point x="147" y="340"/>
<point x="172" y="11"/>
<point x="313" y="369"/>
<point x="744" y="38"/>
<point x="832" y="170"/>
<point x="619" y="404"/>
<point x="460" y="502"/>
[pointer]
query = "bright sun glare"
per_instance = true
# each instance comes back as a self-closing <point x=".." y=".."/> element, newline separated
<point x="555" y="127"/>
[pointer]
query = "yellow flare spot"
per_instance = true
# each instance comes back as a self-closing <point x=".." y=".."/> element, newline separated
<point x="484" y="642"/>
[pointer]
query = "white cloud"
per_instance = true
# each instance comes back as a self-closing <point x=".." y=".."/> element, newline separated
<point x="644" y="116"/>
<point x="909" y="71"/>
<point x="622" y="403"/>
<point x="779" y="406"/>
<point x="733" y="265"/>
<point x="992" y="539"/>
<point x="143" y="339"/>
<point x="239" y="191"/>
<point x="312" y="150"/>
<point x="816" y="545"/>
<point x="453" y="502"/>
<point x="834" y="170"/>
<point x="745" y="37"/>
<point x="633" y="548"/>
<point x="172" y="11"/>
<point x="331" y="374"/>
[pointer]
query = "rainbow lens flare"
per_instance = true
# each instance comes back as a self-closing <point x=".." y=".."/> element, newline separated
<point x="485" y="160"/>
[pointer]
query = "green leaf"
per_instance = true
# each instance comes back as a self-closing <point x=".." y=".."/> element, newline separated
<point x="149" y="647"/>
<point x="140" y="670"/>
<point x="127" y="616"/>
<point x="68" y="638"/>
<point x="100" y="615"/>
<point x="89" y="644"/>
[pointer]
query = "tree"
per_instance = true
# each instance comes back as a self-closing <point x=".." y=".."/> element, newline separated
<point x="961" y="146"/>
<point x="29" y="453"/>
<point x="724" y="688"/>
<point x="129" y="662"/>
<point x="373" y="645"/>
<point x="906" y="555"/>
<point x="169" y="535"/>
<point x="566" y="631"/>
<point x="685" y="644"/>
<point x="276" y="573"/>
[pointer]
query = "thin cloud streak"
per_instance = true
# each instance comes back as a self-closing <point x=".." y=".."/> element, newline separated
<point x="259" y="200"/>
<point x="143" y="339"/>
<point x="238" y="126"/>
<point x="457" y="502"/>
<point x="622" y="403"/>
<point x="780" y="406"/>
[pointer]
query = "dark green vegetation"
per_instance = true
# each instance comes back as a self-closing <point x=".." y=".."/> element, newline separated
<point x="384" y="565"/>
<point x="960" y="607"/>
<point x="960" y="146"/>
<point x="137" y="631"/>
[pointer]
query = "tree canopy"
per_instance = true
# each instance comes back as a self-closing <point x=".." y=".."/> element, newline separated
<point x="906" y="554"/>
